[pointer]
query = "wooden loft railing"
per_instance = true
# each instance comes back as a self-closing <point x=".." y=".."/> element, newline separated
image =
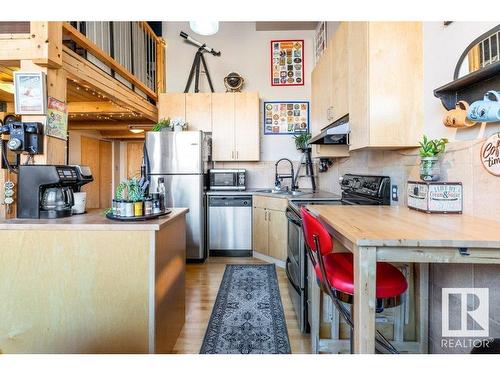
<point x="137" y="58"/>
<point x="129" y="49"/>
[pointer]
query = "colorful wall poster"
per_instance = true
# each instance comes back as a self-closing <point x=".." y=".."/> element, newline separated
<point x="57" y="119"/>
<point x="287" y="62"/>
<point x="290" y="117"/>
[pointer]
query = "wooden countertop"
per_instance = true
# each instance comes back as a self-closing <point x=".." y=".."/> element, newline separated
<point x="93" y="220"/>
<point x="395" y="226"/>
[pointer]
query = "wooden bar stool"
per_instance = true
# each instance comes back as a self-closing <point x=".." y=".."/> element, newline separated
<point x="335" y="275"/>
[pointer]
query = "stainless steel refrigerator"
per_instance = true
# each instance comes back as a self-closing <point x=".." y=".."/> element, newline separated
<point x="181" y="159"/>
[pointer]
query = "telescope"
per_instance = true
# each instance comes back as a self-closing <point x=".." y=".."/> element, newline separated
<point x="198" y="61"/>
<point x="202" y="46"/>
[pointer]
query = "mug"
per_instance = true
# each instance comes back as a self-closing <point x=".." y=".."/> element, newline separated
<point x="80" y="200"/>
<point x="457" y="117"/>
<point x="485" y="110"/>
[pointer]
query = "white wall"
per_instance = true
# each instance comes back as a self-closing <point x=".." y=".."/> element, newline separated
<point x="247" y="52"/>
<point x="443" y="46"/>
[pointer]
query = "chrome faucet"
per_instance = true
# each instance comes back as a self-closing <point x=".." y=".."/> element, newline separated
<point x="280" y="177"/>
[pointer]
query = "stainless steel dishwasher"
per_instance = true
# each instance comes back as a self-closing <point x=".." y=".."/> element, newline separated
<point x="230" y="225"/>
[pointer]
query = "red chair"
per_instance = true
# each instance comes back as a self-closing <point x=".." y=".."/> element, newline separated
<point x="335" y="275"/>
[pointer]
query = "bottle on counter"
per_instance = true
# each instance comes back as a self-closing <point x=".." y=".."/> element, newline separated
<point x="156" y="203"/>
<point x="163" y="193"/>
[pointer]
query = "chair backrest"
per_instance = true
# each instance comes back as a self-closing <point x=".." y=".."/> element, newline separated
<point x="313" y="227"/>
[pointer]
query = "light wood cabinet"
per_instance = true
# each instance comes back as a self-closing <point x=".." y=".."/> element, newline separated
<point x="385" y="84"/>
<point x="233" y="119"/>
<point x="235" y="127"/>
<point x="199" y="111"/>
<point x="329" y="99"/>
<point x="171" y="104"/>
<point x="270" y="226"/>
<point x="260" y="230"/>
<point x="277" y="237"/>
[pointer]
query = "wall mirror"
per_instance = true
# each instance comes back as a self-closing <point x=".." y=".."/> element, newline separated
<point x="481" y="53"/>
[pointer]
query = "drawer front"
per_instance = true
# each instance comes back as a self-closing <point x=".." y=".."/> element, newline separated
<point x="272" y="203"/>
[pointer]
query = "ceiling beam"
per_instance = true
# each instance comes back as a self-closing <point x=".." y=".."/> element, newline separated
<point x="106" y="126"/>
<point x="96" y="107"/>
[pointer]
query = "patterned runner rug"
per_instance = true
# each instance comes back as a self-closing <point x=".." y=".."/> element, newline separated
<point x="247" y="317"/>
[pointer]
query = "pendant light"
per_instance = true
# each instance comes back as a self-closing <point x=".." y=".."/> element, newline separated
<point x="204" y="27"/>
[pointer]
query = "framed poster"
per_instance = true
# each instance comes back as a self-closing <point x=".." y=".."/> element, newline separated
<point x="30" y="94"/>
<point x="286" y="118"/>
<point x="287" y="62"/>
<point x="57" y="119"/>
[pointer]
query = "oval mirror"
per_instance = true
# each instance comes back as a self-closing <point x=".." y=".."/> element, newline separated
<point x="482" y="52"/>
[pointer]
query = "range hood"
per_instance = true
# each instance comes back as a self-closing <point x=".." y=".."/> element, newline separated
<point x="337" y="133"/>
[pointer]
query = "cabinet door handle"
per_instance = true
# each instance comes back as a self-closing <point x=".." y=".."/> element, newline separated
<point x="232" y="155"/>
<point x="269" y="216"/>
<point x="237" y="155"/>
<point x="265" y="215"/>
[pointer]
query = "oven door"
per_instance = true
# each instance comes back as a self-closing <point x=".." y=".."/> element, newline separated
<point x="223" y="180"/>
<point x="296" y="269"/>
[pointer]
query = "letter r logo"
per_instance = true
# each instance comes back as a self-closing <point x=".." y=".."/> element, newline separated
<point x="477" y="315"/>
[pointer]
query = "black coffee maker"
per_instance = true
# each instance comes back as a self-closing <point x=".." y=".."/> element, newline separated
<point x="46" y="191"/>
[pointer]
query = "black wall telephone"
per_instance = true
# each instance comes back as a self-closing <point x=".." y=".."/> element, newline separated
<point x="25" y="137"/>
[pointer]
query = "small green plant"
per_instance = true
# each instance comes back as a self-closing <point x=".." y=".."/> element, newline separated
<point x="302" y="141"/>
<point x="135" y="193"/>
<point x="162" y="124"/>
<point x="120" y="191"/>
<point x="432" y="147"/>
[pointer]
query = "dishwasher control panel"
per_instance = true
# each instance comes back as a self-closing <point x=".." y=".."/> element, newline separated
<point x="230" y="201"/>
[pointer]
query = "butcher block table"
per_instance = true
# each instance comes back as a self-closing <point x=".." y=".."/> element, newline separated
<point x="398" y="234"/>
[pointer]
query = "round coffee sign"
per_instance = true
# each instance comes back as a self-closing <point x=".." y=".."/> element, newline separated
<point x="490" y="154"/>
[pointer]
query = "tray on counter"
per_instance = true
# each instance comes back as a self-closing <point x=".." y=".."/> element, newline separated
<point x="110" y="216"/>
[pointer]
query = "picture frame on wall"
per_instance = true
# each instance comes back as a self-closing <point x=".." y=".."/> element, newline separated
<point x="30" y="93"/>
<point x="287" y="62"/>
<point x="286" y="117"/>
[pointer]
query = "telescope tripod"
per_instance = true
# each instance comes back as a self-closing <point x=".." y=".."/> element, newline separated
<point x="195" y="71"/>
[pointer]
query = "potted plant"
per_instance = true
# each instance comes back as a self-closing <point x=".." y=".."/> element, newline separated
<point x="162" y="125"/>
<point x="302" y="141"/>
<point x="136" y="195"/>
<point x="430" y="149"/>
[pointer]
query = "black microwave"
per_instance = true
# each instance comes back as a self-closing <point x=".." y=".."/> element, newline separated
<point x="227" y="179"/>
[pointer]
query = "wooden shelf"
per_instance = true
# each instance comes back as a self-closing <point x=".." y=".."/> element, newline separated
<point x="471" y="87"/>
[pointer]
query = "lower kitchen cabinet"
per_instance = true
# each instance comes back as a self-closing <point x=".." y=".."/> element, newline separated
<point x="270" y="226"/>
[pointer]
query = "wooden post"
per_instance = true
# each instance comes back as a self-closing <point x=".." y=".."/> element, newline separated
<point x="365" y="263"/>
<point x="43" y="52"/>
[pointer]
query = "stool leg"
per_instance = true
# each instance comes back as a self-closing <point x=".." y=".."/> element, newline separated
<point x="351" y="337"/>
<point x="316" y="316"/>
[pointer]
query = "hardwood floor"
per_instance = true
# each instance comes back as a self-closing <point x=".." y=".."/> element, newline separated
<point x="202" y="285"/>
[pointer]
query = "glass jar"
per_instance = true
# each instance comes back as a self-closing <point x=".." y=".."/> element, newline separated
<point x="138" y="208"/>
<point x="129" y="209"/>
<point x="148" y="206"/>
<point x="430" y="169"/>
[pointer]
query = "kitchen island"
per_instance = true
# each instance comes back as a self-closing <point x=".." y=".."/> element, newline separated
<point x="86" y="284"/>
<point x="398" y="234"/>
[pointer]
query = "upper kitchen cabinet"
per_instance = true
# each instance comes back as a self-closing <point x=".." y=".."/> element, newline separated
<point x="199" y="111"/>
<point x="171" y="104"/>
<point x="385" y="84"/>
<point x="235" y="126"/>
<point x="329" y="98"/>
<point x="194" y="108"/>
